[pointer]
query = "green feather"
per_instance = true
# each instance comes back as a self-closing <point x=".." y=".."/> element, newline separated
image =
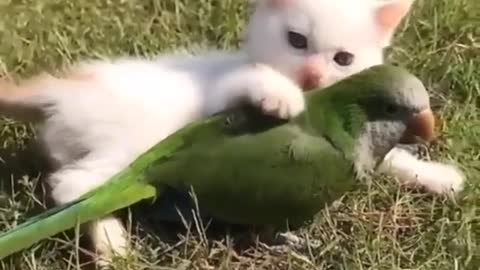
<point x="248" y="168"/>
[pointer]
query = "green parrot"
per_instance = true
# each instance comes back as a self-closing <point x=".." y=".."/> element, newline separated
<point x="248" y="168"/>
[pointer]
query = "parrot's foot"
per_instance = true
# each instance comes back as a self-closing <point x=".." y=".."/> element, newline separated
<point x="296" y="242"/>
<point x="288" y="241"/>
<point x="285" y="240"/>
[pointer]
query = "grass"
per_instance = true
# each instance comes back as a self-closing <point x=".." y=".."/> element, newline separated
<point x="380" y="226"/>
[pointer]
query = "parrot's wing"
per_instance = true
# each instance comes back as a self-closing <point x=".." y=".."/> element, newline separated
<point x="130" y="186"/>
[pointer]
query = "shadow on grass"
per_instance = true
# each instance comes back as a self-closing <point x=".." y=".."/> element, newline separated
<point x="22" y="168"/>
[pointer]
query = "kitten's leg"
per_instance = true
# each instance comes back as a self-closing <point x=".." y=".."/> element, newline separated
<point x="260" y="85"/>
<point x="109" y="238"/>
<point x="434" y="176"/>
<point x="72" y="181"/>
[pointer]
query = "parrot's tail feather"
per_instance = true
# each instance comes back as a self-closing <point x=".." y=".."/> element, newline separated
<point x="92" y="206"/>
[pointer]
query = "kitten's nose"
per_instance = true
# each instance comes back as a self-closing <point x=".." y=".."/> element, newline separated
<point x="312" y="73"/>
<point x="311" y="79"/>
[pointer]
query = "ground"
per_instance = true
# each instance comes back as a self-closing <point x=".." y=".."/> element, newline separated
<point x="379" y="226"/>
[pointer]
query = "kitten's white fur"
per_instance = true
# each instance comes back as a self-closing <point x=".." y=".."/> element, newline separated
<point x="102" y="114"/>
<point x="435" y="177"/>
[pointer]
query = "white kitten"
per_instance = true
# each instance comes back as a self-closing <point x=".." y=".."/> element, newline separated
<point x="101" y="115"/>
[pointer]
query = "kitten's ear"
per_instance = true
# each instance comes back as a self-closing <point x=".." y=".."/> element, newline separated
<point x="388" y="16"/>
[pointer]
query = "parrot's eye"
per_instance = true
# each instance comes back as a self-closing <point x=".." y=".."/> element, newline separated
<point x="297" y="40"/>
<point x="343" y="58"/>
<point x="391" y="109"/>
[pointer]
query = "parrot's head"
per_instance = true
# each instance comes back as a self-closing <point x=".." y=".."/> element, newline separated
<point x="369" y="113"/>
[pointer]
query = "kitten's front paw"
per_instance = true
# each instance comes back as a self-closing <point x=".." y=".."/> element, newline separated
<point x="276" y="94"/>
<point x="436" y="177"/>
<point x="441" y="178"/>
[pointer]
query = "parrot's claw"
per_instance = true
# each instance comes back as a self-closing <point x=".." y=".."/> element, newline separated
<point x="290" y="239"/>
<point x="296" y="242"/>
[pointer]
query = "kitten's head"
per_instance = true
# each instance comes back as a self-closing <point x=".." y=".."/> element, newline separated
<point x="318" y="42"/>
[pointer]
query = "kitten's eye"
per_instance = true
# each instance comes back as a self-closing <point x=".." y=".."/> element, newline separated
<point x="297" y="40"/>
<point x="343" y="58"/>
<point x="391" y="109"/>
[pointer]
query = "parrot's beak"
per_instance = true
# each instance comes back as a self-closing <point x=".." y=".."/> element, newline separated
<point x="421" y="125"/>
